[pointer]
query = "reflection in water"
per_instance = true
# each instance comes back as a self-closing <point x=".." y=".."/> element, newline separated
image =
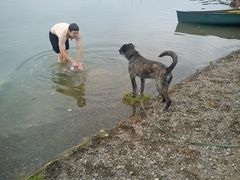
<point x="137" y="110"/>
<point x="213" y="2"/>
<point x="70" y="83"/>
<point x="206" y="30"/>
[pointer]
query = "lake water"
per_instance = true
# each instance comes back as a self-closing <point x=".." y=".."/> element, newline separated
<point x="45" y="108"/>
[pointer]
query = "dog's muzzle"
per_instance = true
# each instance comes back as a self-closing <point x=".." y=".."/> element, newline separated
<point x="120" y="51"/>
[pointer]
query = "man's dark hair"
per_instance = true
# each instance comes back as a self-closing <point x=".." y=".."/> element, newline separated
<point x="73" y="27"/>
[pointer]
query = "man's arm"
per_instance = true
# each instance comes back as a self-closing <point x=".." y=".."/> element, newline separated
<point x="62" y="50"/>
<point x="79" y="49"/>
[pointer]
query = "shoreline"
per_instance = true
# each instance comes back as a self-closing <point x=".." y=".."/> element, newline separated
<point x="205" y="109"/>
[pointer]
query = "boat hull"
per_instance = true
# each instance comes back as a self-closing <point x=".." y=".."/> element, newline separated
<point x="224" y="17"/>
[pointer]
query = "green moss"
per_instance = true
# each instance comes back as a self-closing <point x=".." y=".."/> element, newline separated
<point x="130" y="100"/>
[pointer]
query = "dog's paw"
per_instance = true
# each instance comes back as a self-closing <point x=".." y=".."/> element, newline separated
<point x="165" y="110"/>
<point x="134" y="94"/>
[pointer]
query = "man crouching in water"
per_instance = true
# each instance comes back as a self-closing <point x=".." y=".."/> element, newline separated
<point x="59" y="35"/>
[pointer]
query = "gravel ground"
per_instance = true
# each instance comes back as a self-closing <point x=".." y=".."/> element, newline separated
<point x="198" y="138"/>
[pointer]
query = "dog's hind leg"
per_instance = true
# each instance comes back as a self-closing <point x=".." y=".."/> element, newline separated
<point x="142" y="85"/>
<point x="162" y="88"/>
<point x="166" y="98"/>
<point x="159" y="85"/>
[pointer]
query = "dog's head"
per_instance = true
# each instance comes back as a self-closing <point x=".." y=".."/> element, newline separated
<point x="126" y="48"/>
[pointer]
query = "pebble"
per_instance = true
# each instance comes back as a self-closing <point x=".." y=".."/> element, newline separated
<point x="227" y="153"/>
<point x="120" y="167"/>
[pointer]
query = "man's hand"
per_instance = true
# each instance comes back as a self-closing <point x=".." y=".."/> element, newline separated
<point x="74" y="64"/>
<point x="79" y="66"/>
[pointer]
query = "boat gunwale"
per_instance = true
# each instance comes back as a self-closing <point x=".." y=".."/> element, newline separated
<point x="213" y="12"/>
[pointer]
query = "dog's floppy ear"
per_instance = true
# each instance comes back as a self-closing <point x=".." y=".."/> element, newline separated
<point x="131" y="45"/>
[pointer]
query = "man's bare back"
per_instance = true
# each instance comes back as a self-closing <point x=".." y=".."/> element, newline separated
<point x="60" y="30"/>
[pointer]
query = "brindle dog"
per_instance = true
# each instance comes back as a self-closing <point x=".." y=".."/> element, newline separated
<point x="144" y="68"/>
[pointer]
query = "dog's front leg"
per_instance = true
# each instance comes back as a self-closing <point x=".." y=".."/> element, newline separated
<point x="134" y="85"/>
<point x="142" y="85"/>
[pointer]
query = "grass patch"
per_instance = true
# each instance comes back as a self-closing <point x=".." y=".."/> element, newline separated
<point x="130" y="100"/>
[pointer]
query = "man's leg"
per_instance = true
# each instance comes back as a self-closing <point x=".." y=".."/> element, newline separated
<point x="67" y="48"/>
<point x="67" y="52"/>
<point x="54" y="42"/>
<point x="60" y="58"/>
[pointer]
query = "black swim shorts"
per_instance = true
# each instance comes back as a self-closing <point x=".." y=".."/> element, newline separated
<point x="54" y="41"/>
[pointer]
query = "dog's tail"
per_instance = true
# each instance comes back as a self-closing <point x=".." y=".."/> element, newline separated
<point x="174" y="57"/>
